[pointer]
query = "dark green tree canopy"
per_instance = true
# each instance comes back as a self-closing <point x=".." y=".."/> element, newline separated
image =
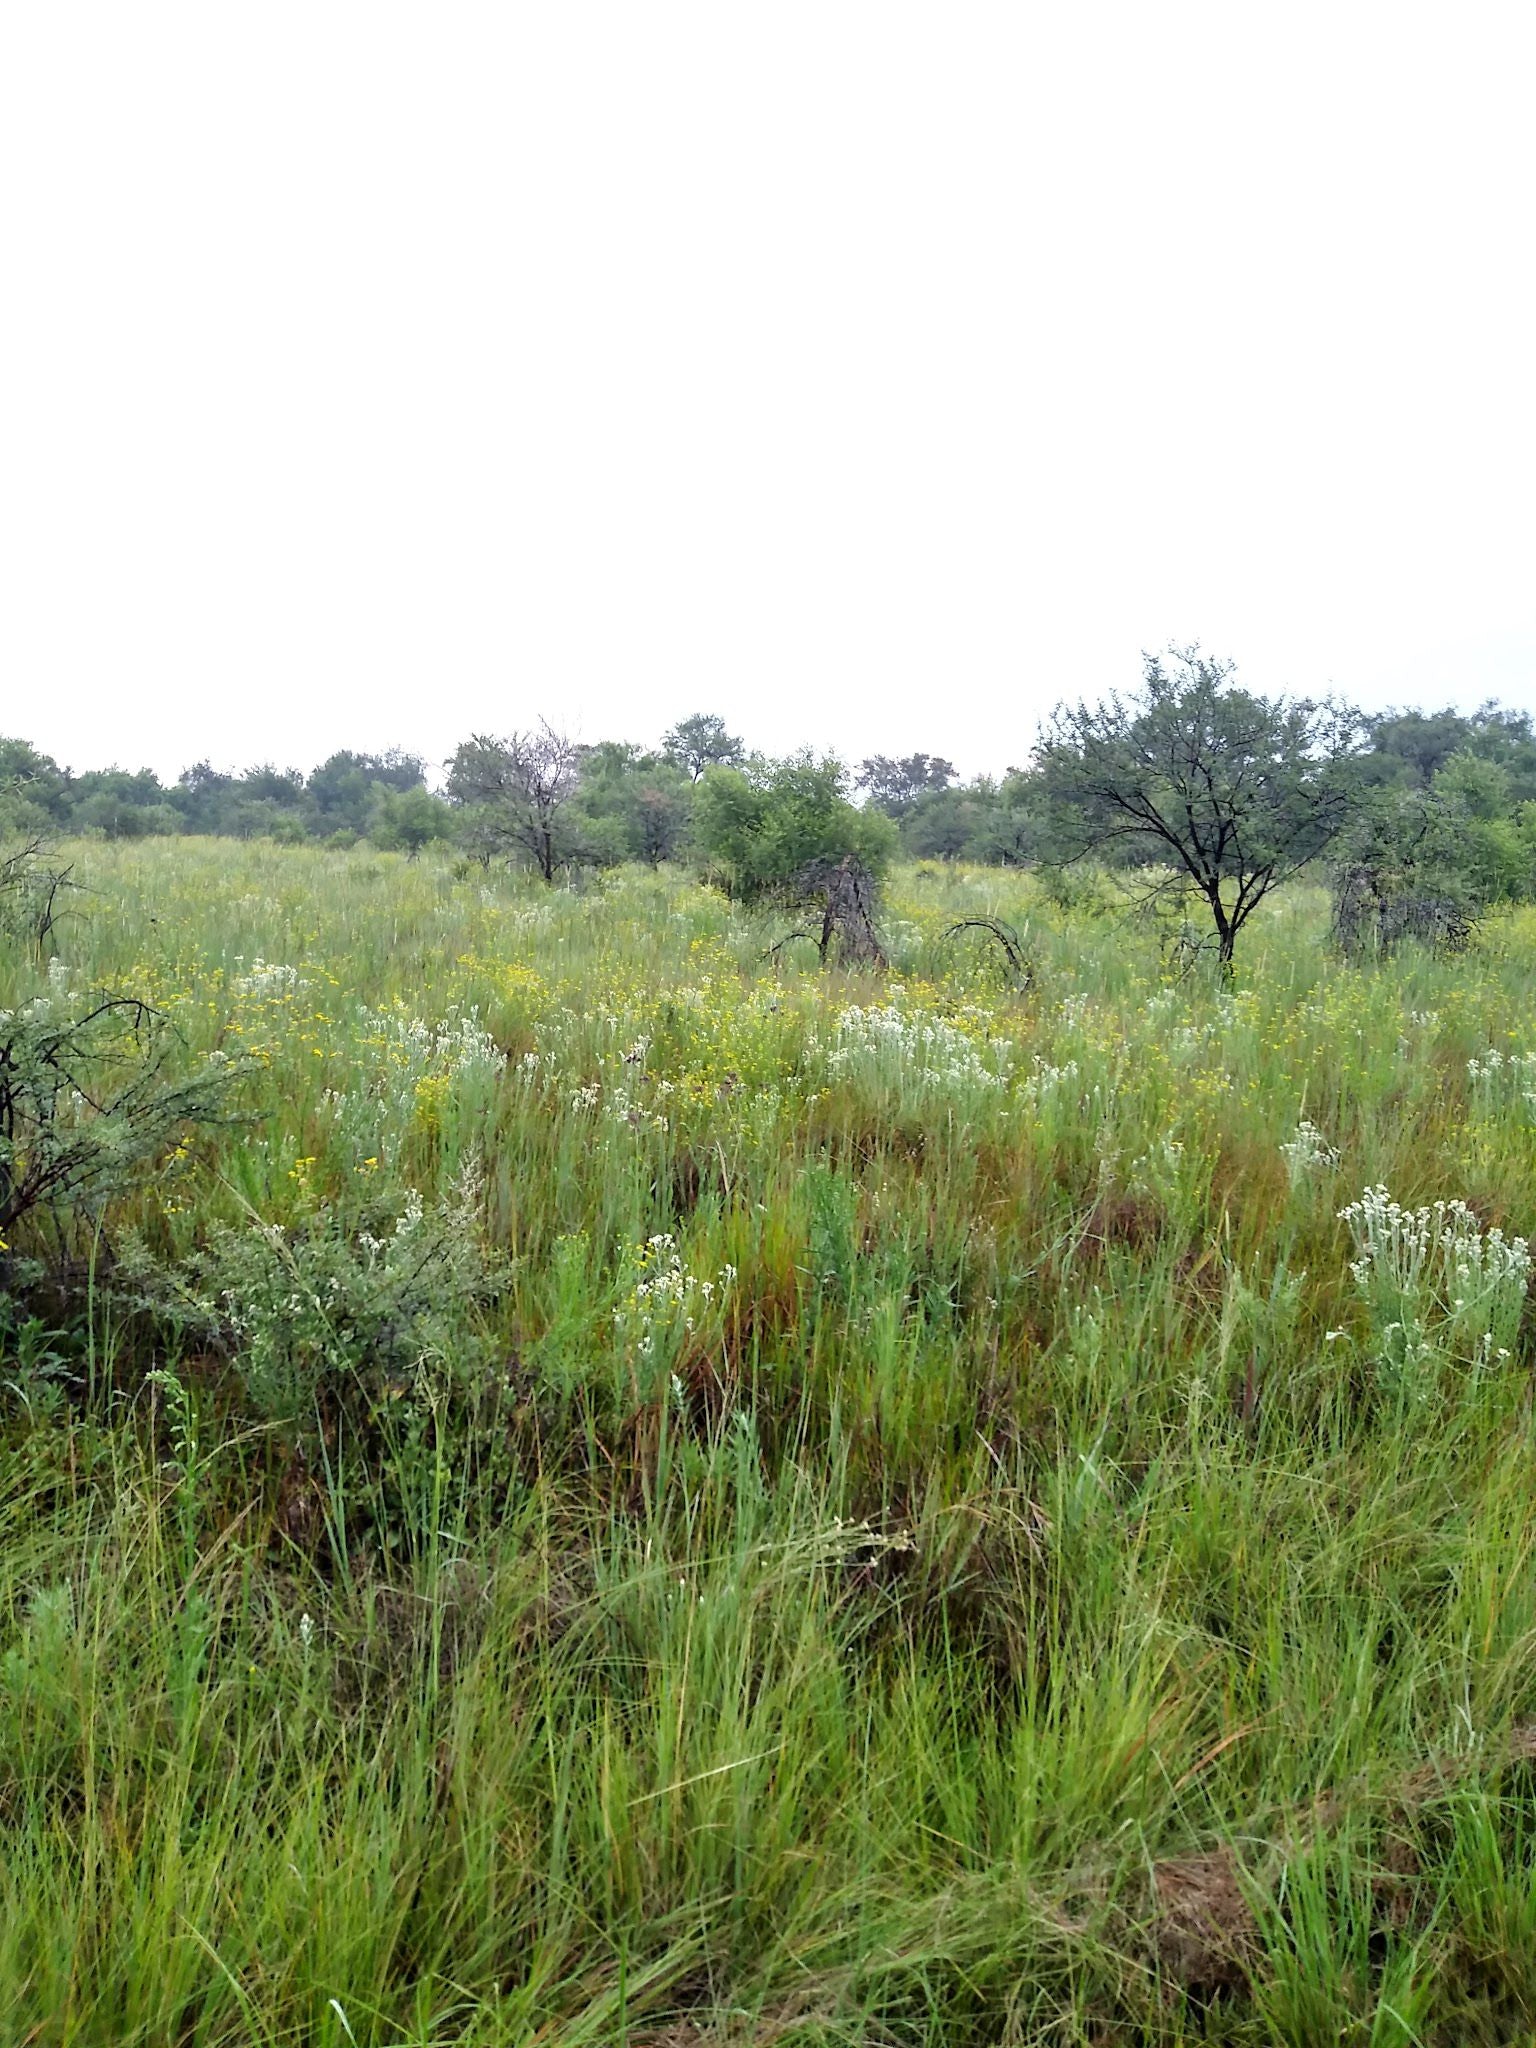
<point x="1412" y="747"/>
<point x="346" y="789"/>
<point x="701" y="742"/>
<point x="895" y="785"/>
<point x="632" y="805"/>
<point x="1424" y="861"/>
<point x="406" y="820"/>
<point x="762" y="826"/>
<point x="633" y="802"/>
<point x="1234" y="792"/>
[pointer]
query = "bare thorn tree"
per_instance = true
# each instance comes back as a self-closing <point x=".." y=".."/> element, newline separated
<point x="519" y="787"/>
<point x="32" y="892"/>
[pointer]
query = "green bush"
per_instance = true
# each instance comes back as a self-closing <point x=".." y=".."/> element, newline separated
<point x="333" y="1305"/>
<point x="759" y="827"/>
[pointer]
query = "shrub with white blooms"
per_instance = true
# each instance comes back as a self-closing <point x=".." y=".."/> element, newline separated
<point x="664" y="1296"/>
<point x="1308" y="1154"/>
<point x="1504" y="1082"/>
<point x="334" y="1300"/>
<point x="885" y="1049"/>
<point x="1437" y="1283"/>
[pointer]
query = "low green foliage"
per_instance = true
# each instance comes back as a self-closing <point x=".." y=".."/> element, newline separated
<point x="759" y="827"/>
<point x="339" y="1304"/>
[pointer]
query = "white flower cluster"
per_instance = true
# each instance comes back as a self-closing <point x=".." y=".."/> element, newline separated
<point x="1435" y="1267"/>
<point x="1498" y="1065"/>
<point x="405" y="1051"/>
<point x="885" y="1046"/>
<point x="665" y="1295"/>
<point x="453" y="1046"/>
<point x="1308" y="1153"/>
<point x="1499" y="1077"/>
<point x="1047" y="1082"/>
<point x="637" y="1114"/>
<point x="1158" y="1168"/>
<point x="268" y="978"/>
<point x="407" y="1224"/>
<point x="411" y="1049"/>
<point x="1192" y="1041"/>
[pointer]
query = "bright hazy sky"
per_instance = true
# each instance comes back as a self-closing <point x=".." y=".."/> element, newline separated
<point x="873" y="374"/>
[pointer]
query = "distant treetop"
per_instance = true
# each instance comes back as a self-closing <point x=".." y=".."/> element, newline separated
<point x="701" y="742"/>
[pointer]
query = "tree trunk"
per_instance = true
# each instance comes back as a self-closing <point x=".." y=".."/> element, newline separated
<point x="1226" y="933"/>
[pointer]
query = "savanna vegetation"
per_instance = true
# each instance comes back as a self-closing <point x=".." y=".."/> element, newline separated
<point x="584" y="1465"/>
<point x="1450" y="812"/>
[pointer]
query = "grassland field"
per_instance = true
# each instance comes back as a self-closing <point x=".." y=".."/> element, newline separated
<point x="633" y="1491"/>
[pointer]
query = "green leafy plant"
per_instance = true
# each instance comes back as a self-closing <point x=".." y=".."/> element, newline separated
<point x="333" y="1303"/>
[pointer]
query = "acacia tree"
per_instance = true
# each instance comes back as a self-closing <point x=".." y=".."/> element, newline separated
<point x="1234" y="791"/>
<point x="701" y="742"/>
<point x="519" y="788"/>
<point x="895" y="785"/>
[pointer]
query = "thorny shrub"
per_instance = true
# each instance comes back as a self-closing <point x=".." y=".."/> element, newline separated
<point x="333" y="1304"/>
<point x="85" y="1102"/>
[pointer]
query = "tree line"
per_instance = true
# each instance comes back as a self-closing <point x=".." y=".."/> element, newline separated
<point x="1203" y="790"/>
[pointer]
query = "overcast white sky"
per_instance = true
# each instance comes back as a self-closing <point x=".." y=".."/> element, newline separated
<point x="873" y="374"/>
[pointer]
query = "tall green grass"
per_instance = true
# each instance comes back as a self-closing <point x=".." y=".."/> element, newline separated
<point x="992" y="1589"/>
